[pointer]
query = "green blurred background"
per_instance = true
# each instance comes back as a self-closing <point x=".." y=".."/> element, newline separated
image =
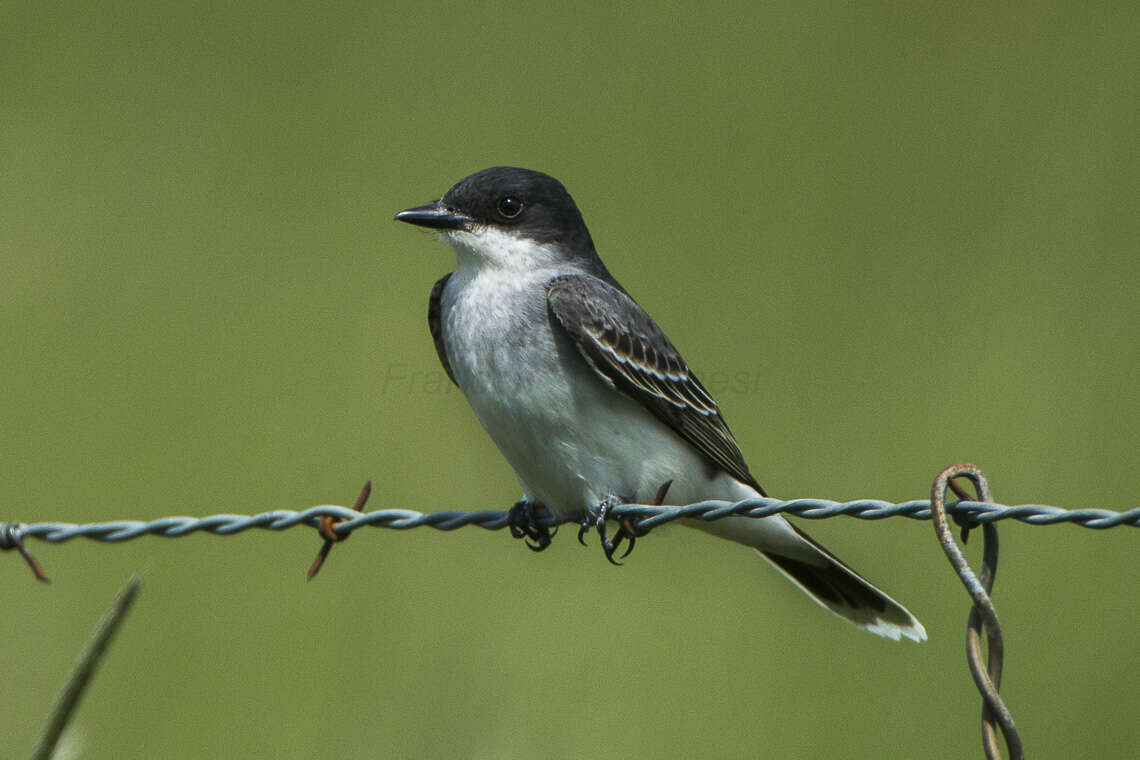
<point x="890" y="236"/>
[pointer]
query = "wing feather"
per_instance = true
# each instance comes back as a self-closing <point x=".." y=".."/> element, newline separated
<point x="629" y="352"/>
<point x="435" y="323"/>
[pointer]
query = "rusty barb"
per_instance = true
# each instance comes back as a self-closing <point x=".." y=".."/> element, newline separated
<point x="326" y="526"/>
<point x="12" y="537"/>
<point x="334" y="524"/>
<point x="986" y="673"/>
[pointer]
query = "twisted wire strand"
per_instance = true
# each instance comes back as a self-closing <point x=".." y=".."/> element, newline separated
<point x="650" y="516"/>
<point x="986" y="671"/>
<point x="335" y="523"/>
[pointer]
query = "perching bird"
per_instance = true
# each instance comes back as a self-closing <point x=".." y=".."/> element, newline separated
<point x="587" y="399"/>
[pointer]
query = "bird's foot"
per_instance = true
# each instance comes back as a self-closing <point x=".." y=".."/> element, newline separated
<point x="629" y="528"/>
<point x="523" y="522"/>
<point x="595" y="519"/>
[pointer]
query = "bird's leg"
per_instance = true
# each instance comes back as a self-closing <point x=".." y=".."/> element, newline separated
<point x="630" y="528"/>
<point x="523" y="522"/>
<point x="596" y="519"/>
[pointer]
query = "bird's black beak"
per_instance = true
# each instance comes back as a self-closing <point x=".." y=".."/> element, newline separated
<point x="436" y="216"/>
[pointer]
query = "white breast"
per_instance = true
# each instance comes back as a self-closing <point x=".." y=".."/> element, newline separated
<point x="571" y="439"/>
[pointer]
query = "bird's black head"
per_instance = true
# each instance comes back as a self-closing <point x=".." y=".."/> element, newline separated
<point x="519" y="202"/>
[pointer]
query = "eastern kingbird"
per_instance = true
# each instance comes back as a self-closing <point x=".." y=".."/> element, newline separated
<point x="585" y="396"/>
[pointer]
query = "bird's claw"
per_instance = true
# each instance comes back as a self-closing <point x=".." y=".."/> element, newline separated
<point x="628" y="530"/>
<point x="523" y="523"/>
<point x="596" y="520"/>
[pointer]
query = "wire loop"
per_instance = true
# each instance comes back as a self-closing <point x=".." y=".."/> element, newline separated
<point x="987" y="674"/>
<point x="334" y="524"/>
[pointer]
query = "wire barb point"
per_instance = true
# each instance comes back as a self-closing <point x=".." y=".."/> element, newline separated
<point x="11" y="537"/>
<point x="326" y="526"/>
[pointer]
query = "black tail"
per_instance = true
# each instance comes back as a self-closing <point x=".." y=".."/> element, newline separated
<point x="840" y="589"/>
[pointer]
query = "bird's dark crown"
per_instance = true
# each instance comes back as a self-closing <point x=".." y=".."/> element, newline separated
<point x="534" y="204"/>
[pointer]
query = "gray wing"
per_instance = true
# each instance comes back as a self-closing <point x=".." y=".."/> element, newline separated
<point x="435" y="323"/>
<point x="629" y="351"/>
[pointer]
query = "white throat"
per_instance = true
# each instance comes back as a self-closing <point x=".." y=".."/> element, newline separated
<point x="484" y="248"/>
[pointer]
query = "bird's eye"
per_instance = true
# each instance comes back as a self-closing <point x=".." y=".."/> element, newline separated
<point x="510" y="206"/>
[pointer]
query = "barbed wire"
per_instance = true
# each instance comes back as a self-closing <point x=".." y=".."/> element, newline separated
<point x="649" y="516"/>
<point x="336" y="523"/>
